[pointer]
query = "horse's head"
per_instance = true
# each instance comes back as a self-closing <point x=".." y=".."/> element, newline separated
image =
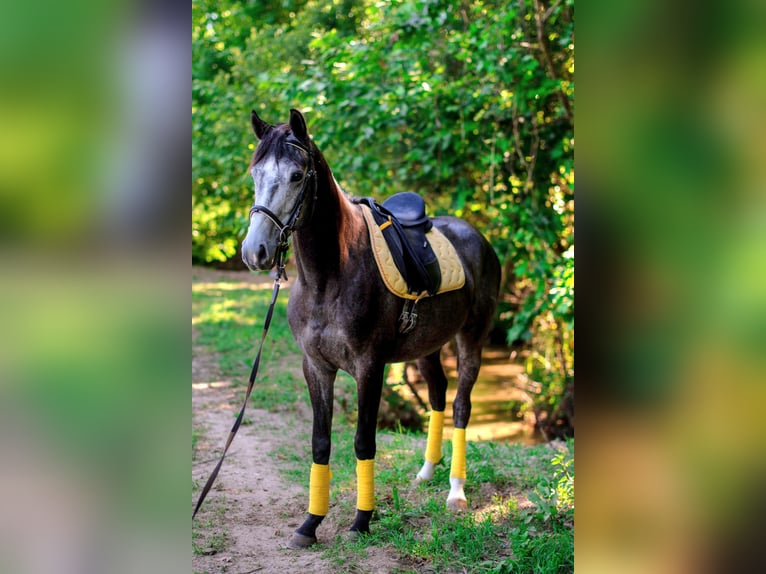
<point x="285" y="186"/>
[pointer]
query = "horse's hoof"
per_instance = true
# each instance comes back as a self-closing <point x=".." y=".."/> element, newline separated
<point x="299" y="541"/>
<point x="353" y="535"/>
<point x="457" y="504"/>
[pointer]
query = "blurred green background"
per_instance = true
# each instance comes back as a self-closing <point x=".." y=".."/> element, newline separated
<point x="94" y="356"/>
<point x="672" y="300"/>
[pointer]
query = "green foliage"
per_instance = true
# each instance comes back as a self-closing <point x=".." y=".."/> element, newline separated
<point x="554" y="497"/>
<point x="468" y="103"/>
<point x="564" y="482"/>
<point x="210" y="544"/>
<point x="550" y="363"/>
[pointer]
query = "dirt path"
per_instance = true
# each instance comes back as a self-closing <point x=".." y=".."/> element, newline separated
<point x="252" y="507"/>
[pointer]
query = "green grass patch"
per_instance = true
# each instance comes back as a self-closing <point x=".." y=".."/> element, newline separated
<point x="212" y="541"/>
<point x="277" y="390"/>
<point x="209" y="536"/>
<point x="294" y="459"/>
<point x="495" y="536"/>
<point x="229" y="322"/>
<point x="550" y="551"/>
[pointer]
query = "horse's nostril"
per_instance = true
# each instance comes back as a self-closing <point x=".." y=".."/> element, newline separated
<point x="248" y="260"/>
<point x="262" y="255"/>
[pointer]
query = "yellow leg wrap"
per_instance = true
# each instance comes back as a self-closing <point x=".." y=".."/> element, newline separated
<point x="457" y="470"/>
<point x="319" y="489"/>
<point x="434" y="445"/>
<point x="365" y="484"/>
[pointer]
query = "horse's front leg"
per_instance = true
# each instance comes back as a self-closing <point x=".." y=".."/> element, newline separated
<point x="320" y="381"/>
<point x="369" y="385"/>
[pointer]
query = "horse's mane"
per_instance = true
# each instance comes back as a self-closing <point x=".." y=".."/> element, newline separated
<point x="350" y="222"/>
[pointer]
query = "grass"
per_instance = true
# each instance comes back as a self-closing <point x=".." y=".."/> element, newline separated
<point x="210" y="537"/>
<point x="209" y="543"/>
<point x="495" y="536"/>
<point x="230" y="321"/>
<point x="521" y="497"/>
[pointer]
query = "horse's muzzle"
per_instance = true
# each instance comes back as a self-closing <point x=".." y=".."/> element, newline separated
<point x="257" y="257"/>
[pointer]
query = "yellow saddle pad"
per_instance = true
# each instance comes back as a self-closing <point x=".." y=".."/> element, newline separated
<point x="453" y="275"/>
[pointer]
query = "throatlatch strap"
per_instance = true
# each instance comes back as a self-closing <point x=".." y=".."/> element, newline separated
<point x="319" y="489"/>
<point x="435" y="433"/>
<point x="365" y="484"/>
<point x="253" y="373"/>
<point x="457" y="470"/>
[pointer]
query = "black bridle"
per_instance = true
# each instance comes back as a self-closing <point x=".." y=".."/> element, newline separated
<point x="286" y="229"/>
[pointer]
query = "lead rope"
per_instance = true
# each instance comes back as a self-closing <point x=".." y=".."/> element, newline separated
<point x="281" y="256"/>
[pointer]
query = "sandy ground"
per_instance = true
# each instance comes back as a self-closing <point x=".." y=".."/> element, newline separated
<point x="250" y="501"/>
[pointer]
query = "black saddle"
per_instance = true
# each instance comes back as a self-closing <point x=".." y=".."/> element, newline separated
<point x="402" y="219"/>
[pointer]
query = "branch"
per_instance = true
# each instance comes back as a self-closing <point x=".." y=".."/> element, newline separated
<point x="540" y="18"/>
<point x="550" y="10"/>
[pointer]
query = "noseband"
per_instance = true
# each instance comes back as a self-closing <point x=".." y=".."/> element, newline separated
<point x="286" y="229"/>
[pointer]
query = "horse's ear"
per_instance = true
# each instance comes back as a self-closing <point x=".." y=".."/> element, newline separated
<point x="259" y="126"/>
<point x="298" y="125"/>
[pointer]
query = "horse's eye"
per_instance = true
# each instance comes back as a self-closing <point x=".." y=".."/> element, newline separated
<point x="296" y="176"/>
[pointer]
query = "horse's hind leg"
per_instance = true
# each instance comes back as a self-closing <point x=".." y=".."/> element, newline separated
<point x="469" y="361"/>
<point x="430" y="368"/>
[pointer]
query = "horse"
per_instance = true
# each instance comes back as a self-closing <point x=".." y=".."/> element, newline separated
<point x="342" y="316"/>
